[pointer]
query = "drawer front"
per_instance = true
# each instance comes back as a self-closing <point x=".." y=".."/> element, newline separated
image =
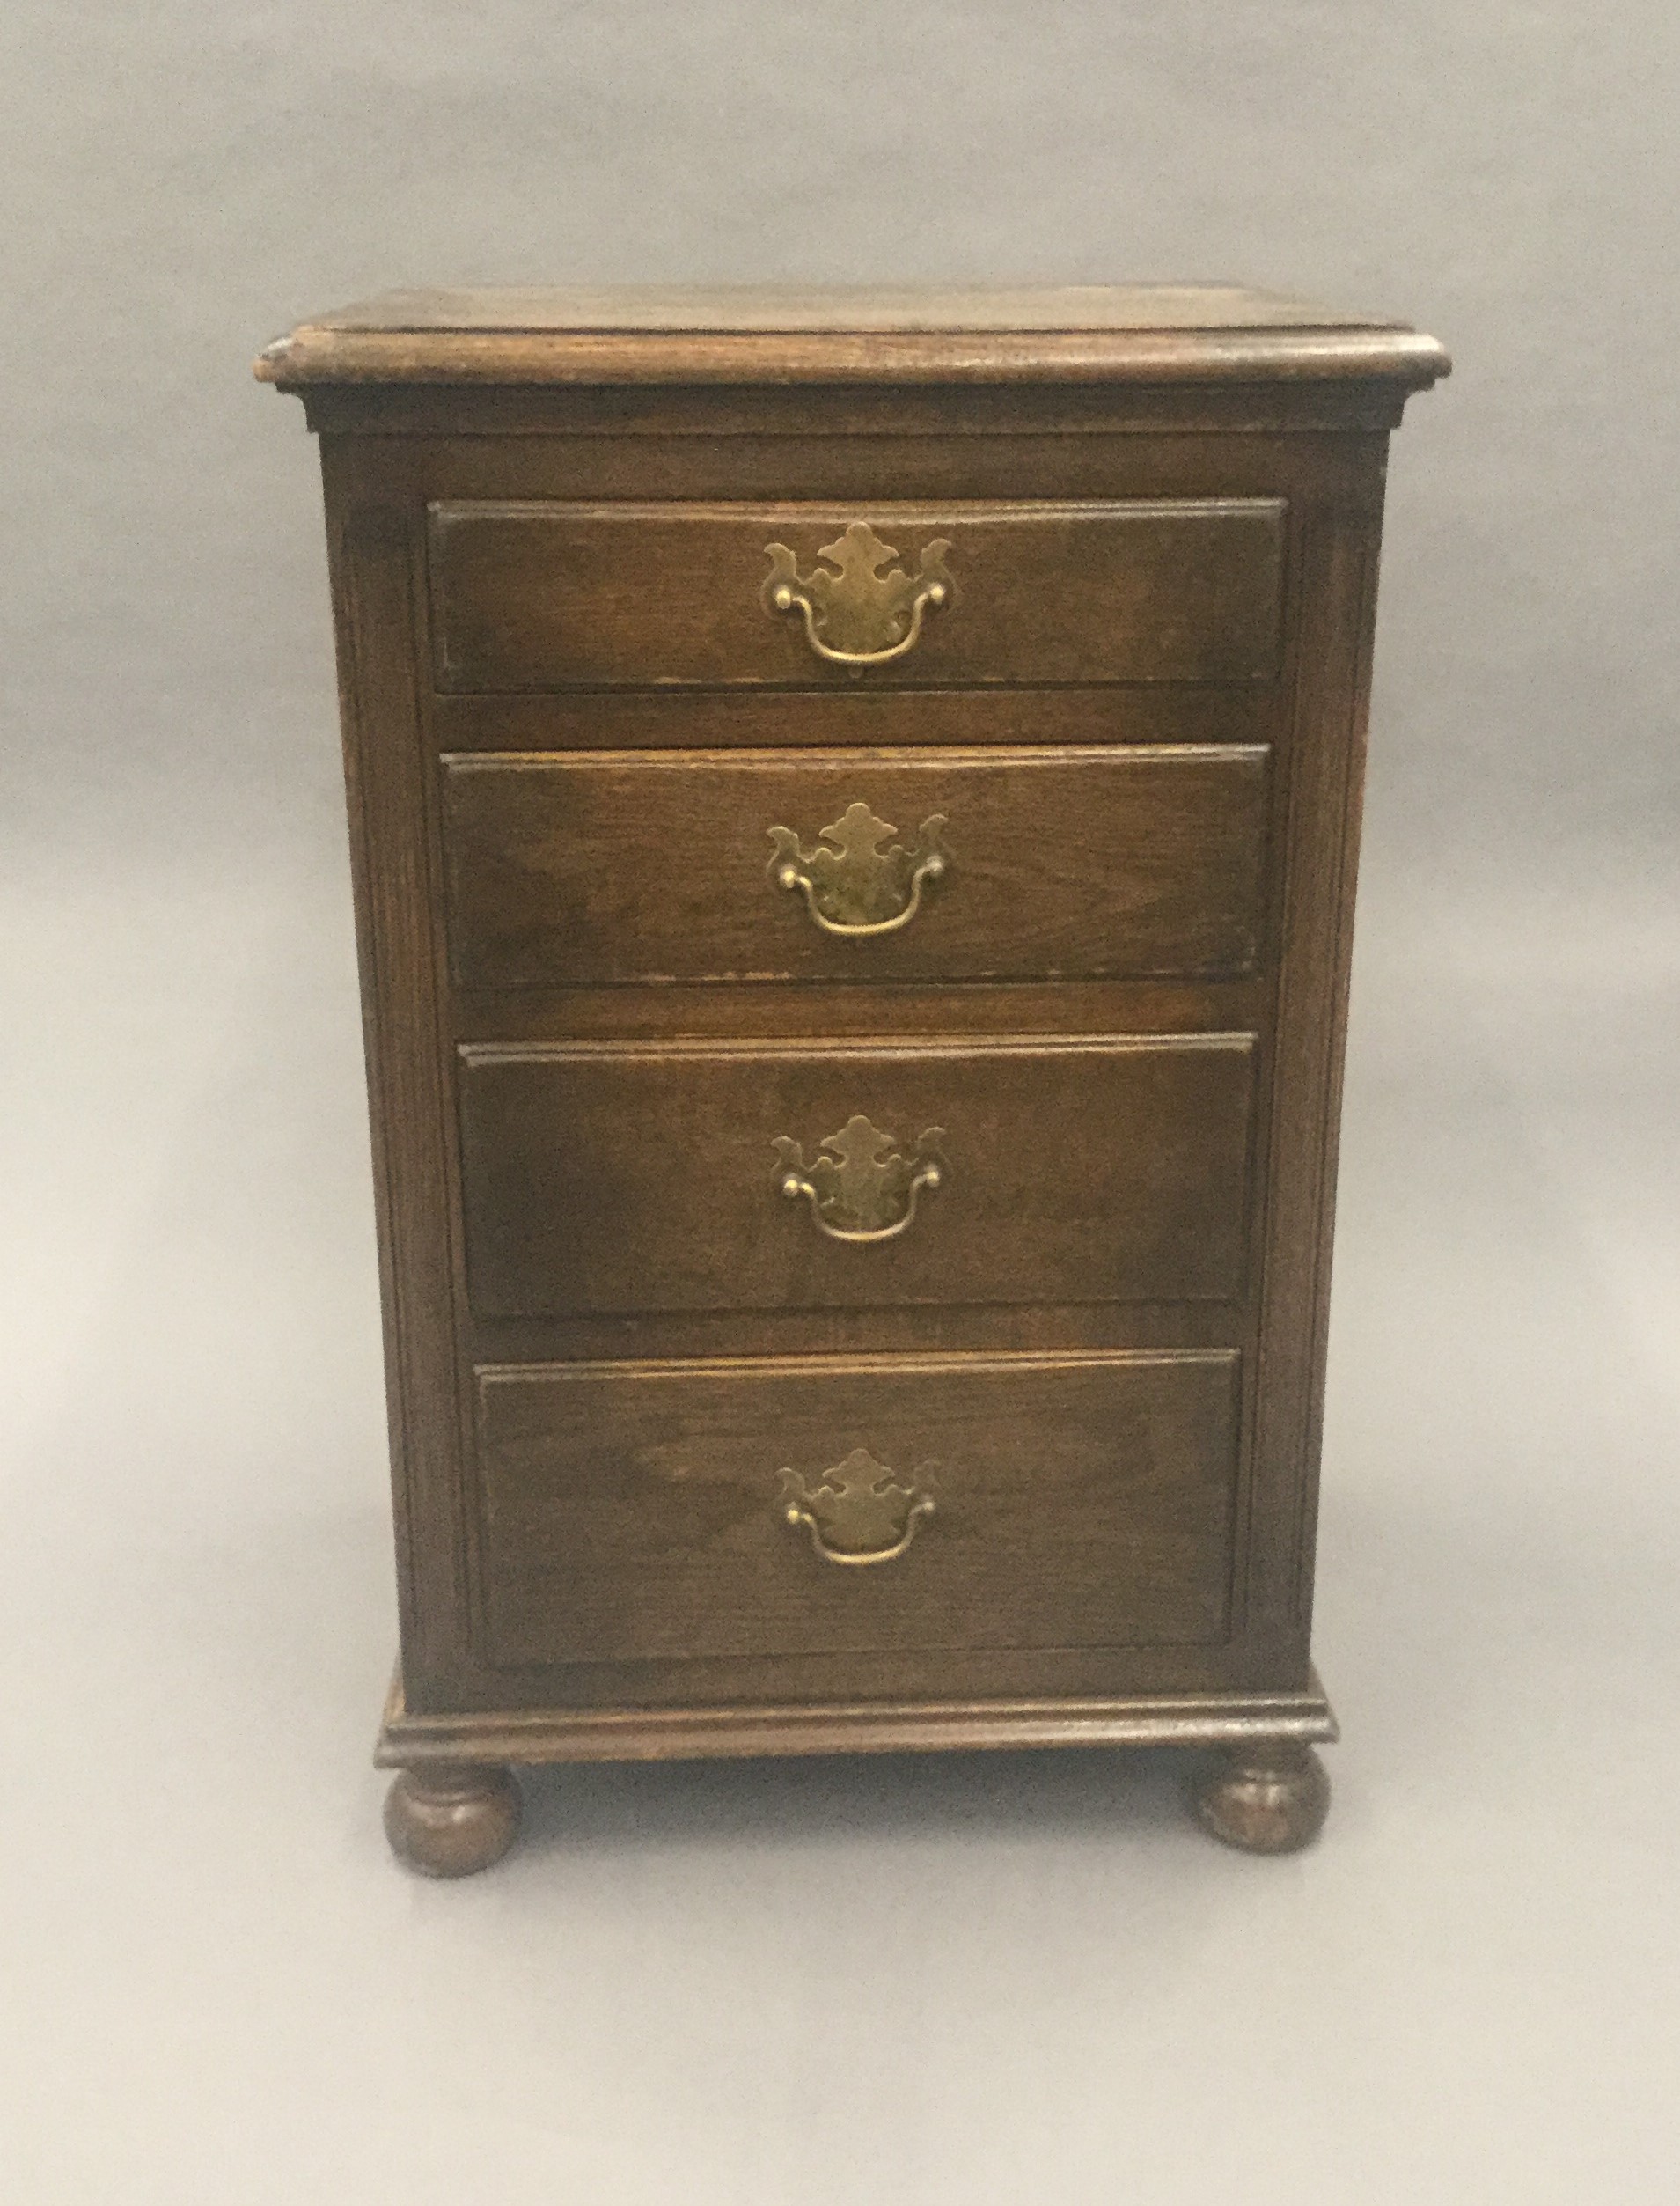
<point x="1012" y="865"/>
<point x="557" y="596"/>
<point x="603" y="1177"/>
<point x="660" y="1511"/>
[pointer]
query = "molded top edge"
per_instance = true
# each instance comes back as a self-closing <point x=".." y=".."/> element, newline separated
<point x="752" y="333"/>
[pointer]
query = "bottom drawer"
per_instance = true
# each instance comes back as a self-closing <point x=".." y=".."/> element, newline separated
<point x="660" y="1511"/>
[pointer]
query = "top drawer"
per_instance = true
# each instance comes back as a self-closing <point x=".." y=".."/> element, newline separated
<point x="559" y="595"/>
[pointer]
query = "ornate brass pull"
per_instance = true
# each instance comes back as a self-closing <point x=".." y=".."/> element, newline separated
<point x="857" y="889"/>
<point x="858" y="1512"/>
<point x="865" y="1190"/>
<point x="858" y="616"/>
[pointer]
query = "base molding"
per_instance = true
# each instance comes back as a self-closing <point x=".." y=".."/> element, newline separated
<point x="526" y="1736"/>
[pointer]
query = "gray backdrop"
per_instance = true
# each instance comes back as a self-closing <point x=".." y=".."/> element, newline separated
<point x="969" y="1980"/>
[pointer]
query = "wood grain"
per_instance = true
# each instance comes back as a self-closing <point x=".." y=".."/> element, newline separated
<point x="524" y="1735"/>
<point x="834" y="465"/>
<point x="634" y="1510"/>
<point x="667" y="309"/>
<point x="1002" y="412"/>
<point x="625" y="1177"/>
<point x="648" y="867"/>
<point x="1144" y="333"/>
<point x="858" y="719"/>
<point x="549" y="595"/>
<point x="374" y="550"/>
<point x="1315" y="886"/>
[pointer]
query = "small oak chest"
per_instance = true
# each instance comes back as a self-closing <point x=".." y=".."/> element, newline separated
<point x="853" y="801"/>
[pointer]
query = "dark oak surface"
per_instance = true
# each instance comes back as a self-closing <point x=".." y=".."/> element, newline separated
<point x="668" y="308"/>
<point x="644" y="1177"/>
<point x="660" y="867"/>
<point x="857" y="716"/>
<point x="633" y="1511"/>
<point x="569" y="723"/>
<point x="751" y="334"/>
<point x="514" y="1737"/>
<point x="549" y="596"/>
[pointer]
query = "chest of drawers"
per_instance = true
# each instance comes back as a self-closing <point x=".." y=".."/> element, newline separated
<point x="853" y="802"/>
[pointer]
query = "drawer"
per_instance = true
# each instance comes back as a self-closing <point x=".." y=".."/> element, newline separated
<point x="565" y="872"/>
<point x="602" y="1178"/>
<point x="642" y="1511"/>
<point x="553" y="595"/>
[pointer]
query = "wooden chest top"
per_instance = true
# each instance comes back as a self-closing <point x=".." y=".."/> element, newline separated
<point x="1142" y="332"/>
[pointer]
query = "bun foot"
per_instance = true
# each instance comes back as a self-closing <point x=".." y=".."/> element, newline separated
<point x="452" y="1820"/>
<point x="1271" y="1799"/>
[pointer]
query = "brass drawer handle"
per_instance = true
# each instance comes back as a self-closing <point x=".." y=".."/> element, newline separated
<point x="857" y="1512"/>
<point x="865" y="1190"/>
<point x="856" y="888"/>
<point x="857" y="616"/>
